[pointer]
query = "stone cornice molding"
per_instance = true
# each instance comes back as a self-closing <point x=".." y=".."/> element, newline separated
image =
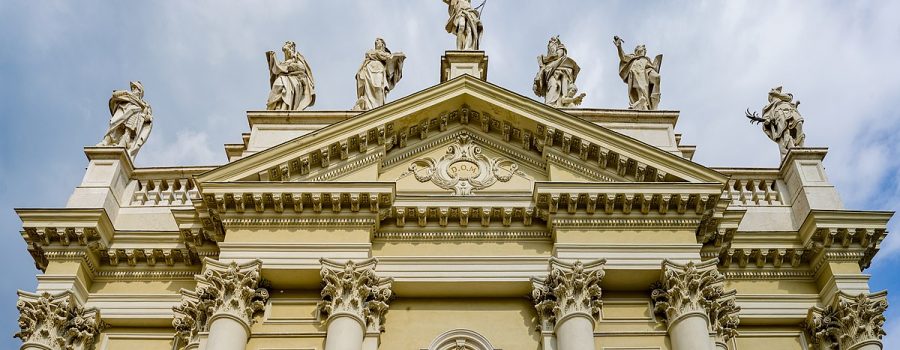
<point x="110" y="153"/>
<point x="390" y="126"/>
<point x="260" y="197"/>
<point x="56" y="322"/>
<point x="570" y="290"/>
<point x="850" y="322"/>
<point x="64" y="230"/>
<point x="696" y="289"/>
<point x="223" y="290"/>
<point x="846" y="231"/>
<point x="353" y="290"/>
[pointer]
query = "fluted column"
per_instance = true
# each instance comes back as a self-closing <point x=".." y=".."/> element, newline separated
<point x="224" y="303"/>
<point x="691" y="300"/>
<point x="56" y="322"/>
<point x="568" y="304"/>
<point x="850" y="323"/>
<point x="354" y="302"/>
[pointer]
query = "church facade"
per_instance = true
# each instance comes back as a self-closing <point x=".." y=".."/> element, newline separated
<point x="463" y="216"/>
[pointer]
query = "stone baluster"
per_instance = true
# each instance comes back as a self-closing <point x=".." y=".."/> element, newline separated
<point x="691" y="300"/>
<point x="224" y="303"/>
<point x="55" y="322"/>
<point x="354" y="303"/>
<point x="568" y="304"/>
<point x="849" y="323"/>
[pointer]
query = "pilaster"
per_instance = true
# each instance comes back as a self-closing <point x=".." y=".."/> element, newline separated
<point x="231" y="293"/>
<point x="568" y="303"/>
<point x="354" y="303"/>
<point x="850" y="322"/>
<point x="56" y="322"/>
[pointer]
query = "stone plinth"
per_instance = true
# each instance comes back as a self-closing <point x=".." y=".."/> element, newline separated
<point x="456" y="63"/>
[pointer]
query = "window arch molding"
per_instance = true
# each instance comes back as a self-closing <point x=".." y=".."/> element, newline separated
<point x="460" y="339"/>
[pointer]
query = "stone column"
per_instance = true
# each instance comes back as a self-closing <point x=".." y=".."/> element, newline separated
<point x="692" y="301"/>
<point x="224" y="303"/>
<point x="354" y="302"/>
<point x="56" y="321"/>
<point x="568" y="303"/>
<point x="849" y="323"/>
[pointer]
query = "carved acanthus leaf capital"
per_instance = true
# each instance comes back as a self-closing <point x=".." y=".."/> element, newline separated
<point x="849" y="322"/>
<point x="57" y="321"/>
<point x="570" y="289"/>
<point x="223" y="289"/>
<point x="352" y="289"/>
<point x="696" y="288"/>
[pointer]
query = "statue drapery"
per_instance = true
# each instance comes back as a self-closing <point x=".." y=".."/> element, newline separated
<point x="291" y="81"/>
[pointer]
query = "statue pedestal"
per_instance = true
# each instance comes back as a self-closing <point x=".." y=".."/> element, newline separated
<point x="456" y="63"/>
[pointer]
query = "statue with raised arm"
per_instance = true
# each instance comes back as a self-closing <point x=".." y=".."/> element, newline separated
<point x="291" y="80"/>
<point x="465" y="23"/>
<point x="781" y="120"/>
<point x="380" y="71"/>
<point x="641" y="75"/>
<point x="555" y="79"/>
<point x="131" y="121"/>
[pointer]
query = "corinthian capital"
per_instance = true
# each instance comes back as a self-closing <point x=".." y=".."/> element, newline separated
<point x="56" y="321"/>
<point x="849" y="323"/>
<point x="352" y="289"/>
<point x="687" y="289"/>
<point x="569" y="290"/>
<point x="223" y="290"/>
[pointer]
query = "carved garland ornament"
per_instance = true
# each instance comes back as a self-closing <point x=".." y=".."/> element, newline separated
<point x="56" y="322"/>
<point x="696" y="288"/>
<point x="849" y="323"/>
<point x="464" y="169"/>
<point x="232" y="289"/>
<point x="570" y="289"/>
<point x="353" y="289"/>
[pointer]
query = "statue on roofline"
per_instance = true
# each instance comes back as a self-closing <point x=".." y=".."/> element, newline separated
<point x="555" y="79"/>
<point x="381" y="70"/>
<point x="291" y="81"/>
<point x="465" y="24"/>
<point x="641" y="75"/>
<point x="781" y="120"/>
<point x="131" y="121"/>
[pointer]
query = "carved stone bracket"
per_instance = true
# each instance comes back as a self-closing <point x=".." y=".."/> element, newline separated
<point x="56" y="322"/>
<point x="223" y="290"/>
<point x="696" y="288"/>
<point x="569" y="290"/>
<point x="352" y="289"/>
<point x="851" y="322"/>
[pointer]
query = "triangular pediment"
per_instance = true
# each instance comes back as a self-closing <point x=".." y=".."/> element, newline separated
<point x="507" y="124"/>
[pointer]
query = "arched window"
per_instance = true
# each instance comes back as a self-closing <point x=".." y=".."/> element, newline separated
<point x="460" y="339"/>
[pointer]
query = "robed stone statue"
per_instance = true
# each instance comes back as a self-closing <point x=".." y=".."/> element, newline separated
<point x="131" y="121"/>
<point x="641" y="75"/>
<point x="377" y="75"/>
<point x="465" y="23"/>
<point x="555" y="80"/>
<point x="781" y="120"/>
<point x="291" y="80"/>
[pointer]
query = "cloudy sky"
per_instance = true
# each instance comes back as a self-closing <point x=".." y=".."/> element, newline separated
<point x="203" y="65"/>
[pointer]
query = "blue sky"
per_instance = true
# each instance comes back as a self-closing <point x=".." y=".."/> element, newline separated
<point x="203" y="65"/>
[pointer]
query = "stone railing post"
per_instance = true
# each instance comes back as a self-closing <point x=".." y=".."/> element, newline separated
<point x="691" y="300"/>
<point x="568" y="303"/>
<point x="354" y="302"/>
<point x="56" y="321"/>
<point x="224" y="303"/>
<point x="849" y="323"/>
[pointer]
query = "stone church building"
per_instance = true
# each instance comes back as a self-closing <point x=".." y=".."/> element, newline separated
<point x="462" y="216"/>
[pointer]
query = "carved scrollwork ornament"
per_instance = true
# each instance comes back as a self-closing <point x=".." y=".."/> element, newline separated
<point x="352" y="289"/>
<point x="57" y="322"/>
<point x="568" y="290"/>
<point x="463" y="169"/>
<point x="849" y="323"/>
<point x="223" y="289"/>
